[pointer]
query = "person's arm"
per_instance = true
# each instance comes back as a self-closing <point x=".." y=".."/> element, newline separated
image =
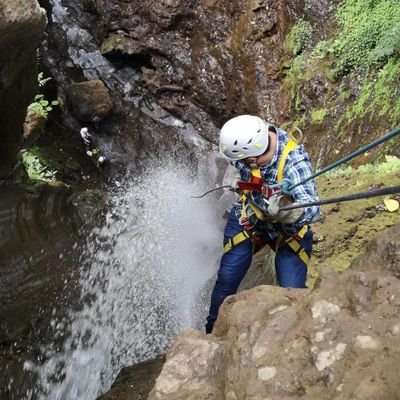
<point x="297" y="171"/>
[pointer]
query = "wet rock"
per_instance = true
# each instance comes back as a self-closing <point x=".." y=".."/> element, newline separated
<point x="119" y="42"/>
<point x="135" y="383"/>
<point x="22" y="24"/>
<point x="89" y="100"/>
<point x="38" y="245"/>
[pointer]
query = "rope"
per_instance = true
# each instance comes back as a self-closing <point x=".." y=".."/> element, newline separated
<point x="213" y="190"/>
<point x="287" y="186"/>
<point x="356" y="196"/>
<point x="345" y="159"/>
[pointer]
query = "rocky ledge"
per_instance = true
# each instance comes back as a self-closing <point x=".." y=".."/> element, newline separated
<point x="339" y="340"/>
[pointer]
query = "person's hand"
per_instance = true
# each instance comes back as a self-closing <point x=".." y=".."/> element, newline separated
<point x="276" y="202"/>
<point x="235" y="185"/>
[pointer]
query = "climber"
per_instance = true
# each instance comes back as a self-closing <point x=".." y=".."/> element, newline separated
<point x="264" y="155"/>
<point x="92" y="149"/>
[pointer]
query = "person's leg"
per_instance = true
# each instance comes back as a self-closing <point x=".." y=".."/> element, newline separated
<point x="234" y="265"/>
<point x="291" y="271"/>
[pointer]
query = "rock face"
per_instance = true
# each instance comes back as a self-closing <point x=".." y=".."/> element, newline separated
<point x="22" y="24"/>
<point x="340" y="340"/>
<point x="175" y="70"/>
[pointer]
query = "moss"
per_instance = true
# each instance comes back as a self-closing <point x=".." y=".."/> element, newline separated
<point x="299" y="72"/>
<point x="369" y="29"/>
<point x="357" y="222"/>
<point x="318" y="116"/>
<point x="299" y="37"/>
<point x="378" y="97"/>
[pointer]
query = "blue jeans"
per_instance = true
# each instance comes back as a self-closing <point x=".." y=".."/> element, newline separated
<point x="291" y="271"/>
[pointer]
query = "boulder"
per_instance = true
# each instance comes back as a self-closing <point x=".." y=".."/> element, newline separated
<point x="89" y="100"/>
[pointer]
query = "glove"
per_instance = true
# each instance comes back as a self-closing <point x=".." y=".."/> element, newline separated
<point x="276" y="202"/>
<point x="234" y="185"/>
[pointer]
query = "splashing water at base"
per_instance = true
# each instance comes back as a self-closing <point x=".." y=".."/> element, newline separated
<point x="142" y="274"/>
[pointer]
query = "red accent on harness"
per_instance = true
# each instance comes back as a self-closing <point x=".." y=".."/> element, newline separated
<point x="259" y="187"/>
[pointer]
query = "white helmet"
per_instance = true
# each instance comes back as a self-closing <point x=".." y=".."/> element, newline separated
<point x="243" y="136"/>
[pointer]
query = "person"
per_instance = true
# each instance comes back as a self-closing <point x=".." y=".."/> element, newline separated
<point x="265" y="157"/>
<point x="92" y="149"/>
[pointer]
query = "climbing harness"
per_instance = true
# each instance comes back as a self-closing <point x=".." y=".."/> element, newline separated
<point x="286" y="186"/>
<point x="294" y="243"/>
<point x="249" y="233"/>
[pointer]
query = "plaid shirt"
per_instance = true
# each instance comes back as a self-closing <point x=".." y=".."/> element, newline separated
<point x="297" y="167"/>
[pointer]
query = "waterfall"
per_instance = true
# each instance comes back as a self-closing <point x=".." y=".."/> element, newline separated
<point x="142" y="274"/>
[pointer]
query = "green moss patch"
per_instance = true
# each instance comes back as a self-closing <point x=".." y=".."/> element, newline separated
<point x="346" y="229"/>
<point x="318" y="116"/>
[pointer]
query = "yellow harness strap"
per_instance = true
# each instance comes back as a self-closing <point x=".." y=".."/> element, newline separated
<point x="256" y="172"/>
<point x="290" y="145"/>
<point x="237" y="239"/>
<point x="292" y="242"/>
<point x="295" y="245"/>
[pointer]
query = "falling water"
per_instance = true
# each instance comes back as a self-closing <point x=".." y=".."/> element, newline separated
<point x="142" y="275"/>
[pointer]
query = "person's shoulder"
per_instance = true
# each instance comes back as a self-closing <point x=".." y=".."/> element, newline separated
<point x="297" y="155"/>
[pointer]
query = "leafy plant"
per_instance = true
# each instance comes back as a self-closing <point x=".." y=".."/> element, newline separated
<point x="35" y="165"/>
<point x="41" y="107"/>
<point x="369" y="30"/>
<point x="388" y="46"/>
<point x="42" y="80"/>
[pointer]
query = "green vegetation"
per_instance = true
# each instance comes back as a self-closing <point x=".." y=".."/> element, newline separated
<point x="391" y="164"/>
<point x="41" y="107"/>
<point x="370" y="32"/>
<point x="298" y="73"/>
<point x="299" y="37"/>
<point x="362" y="55"/>
<point x="356" y="222"/>
<point x="36" y="165"/>
<point x="318" y="116"/>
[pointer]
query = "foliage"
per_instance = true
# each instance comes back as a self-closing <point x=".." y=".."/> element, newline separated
<point x="41" y="107"/>
<point x="42" y="80"/>
<point x="369" y="31"/>
<point x="318" y="116"/>
<point x="388" y="46"/>
<point x="391" y="164"/>
<point x="378" y="97"/>
<point x="366" y="47"/>
<point x="298" y="72"/>
<point x="299" y="37"/>
<point x="35" y="165"/>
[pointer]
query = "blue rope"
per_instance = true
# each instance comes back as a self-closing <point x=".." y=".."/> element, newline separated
<point x="287" y="186"/>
